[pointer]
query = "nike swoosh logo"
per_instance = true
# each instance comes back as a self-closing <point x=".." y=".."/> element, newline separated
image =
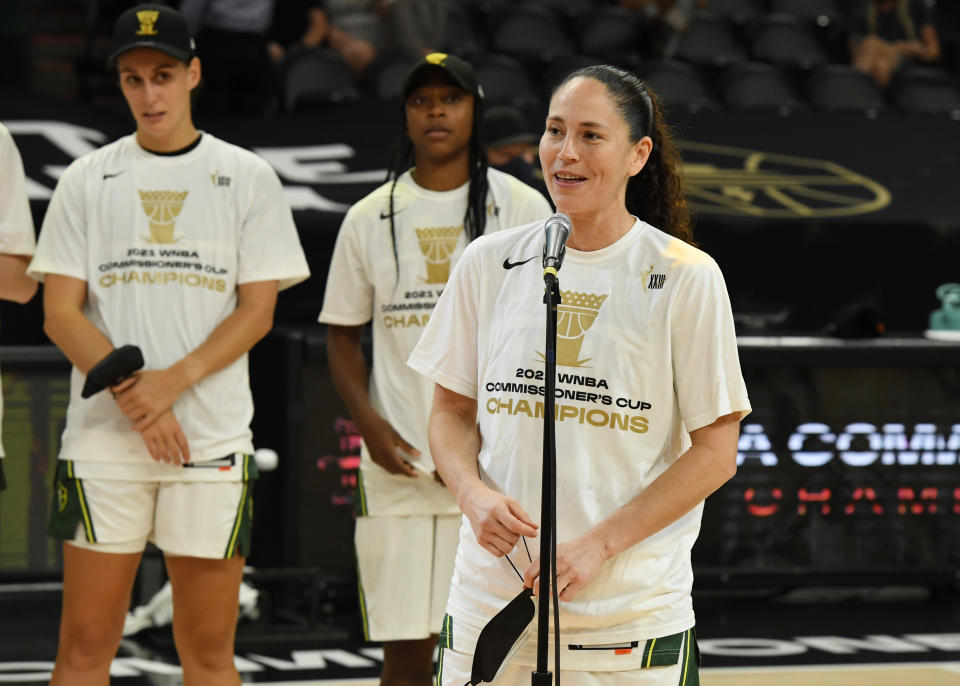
<point x="386" y="215"/>
<point x="110" y="176"/>
<point x="507" y="264"/>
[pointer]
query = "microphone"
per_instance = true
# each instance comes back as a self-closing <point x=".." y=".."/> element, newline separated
<point x="557" y="229"/>
<point x="112" y="369"/>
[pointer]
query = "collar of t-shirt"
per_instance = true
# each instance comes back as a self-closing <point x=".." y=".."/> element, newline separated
<point x="174" y="153"/>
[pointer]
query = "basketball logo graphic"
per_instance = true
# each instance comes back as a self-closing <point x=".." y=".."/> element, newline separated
<point x="575" y="315"/>
<point x="162" y="209"/>
<point x="437" y="245"/>
<point x="62" y="497"/>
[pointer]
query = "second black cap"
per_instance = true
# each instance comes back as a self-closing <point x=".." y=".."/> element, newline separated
<point x="152" y="26"/>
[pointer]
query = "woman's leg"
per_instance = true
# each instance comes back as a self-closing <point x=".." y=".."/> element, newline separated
<point x="96" y="597"/>
<point x="408" y="663"/>
<point x="205" y="609"/>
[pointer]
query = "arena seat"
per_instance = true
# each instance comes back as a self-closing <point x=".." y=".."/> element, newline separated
<point x="530" y="33"/>
<point x="841" y="88"/>
<point x="315" y="77"/>
<point x="759" y="86"/>
<point x="710" y="42"/>
<point x="787" y="41"/>
<point x="823" y="12"/>
<point x="613" y="34"/>
<point x="505" y="80"/>
<point x="385" y="75"/>
<point x="926" y="90"/>
<point x="739" y="12"/>
<point x="680" y="84"/>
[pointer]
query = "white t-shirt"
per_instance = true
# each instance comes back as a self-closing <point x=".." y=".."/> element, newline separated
<point x="162" y="242"/>
<point x="16" y="223"/>
<point x="646" y="353"/>
<point x="363" y="284"/>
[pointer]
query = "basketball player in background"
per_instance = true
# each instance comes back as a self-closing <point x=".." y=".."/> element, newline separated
<point x="17" y="239"/>
<point x="393" y="255"/>
<point x="177" y="242"/>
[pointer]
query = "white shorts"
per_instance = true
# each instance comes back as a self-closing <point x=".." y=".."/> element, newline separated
<point x="404" y="566"/>
<point x="208" y="519"/>
<point x="454" y="668"/>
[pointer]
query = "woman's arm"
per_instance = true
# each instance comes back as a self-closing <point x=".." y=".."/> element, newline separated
<point x="348" y="369"/>
<point x="146" y="395"/>
<point x="15" y="285"/>
<point x="707" y="465"/>
<point x="927" y="49"/>
<point x="497" y="520"/>
<point x="66" y="325"/>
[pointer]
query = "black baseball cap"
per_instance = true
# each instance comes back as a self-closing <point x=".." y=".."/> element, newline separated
<point x="152" y="26"/>
<point x="459" y="70"/>
<point x="504" y="125"/>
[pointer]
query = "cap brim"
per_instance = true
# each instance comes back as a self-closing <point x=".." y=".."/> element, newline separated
<point x="183" y="56"/>
<point x="421" y="70"/>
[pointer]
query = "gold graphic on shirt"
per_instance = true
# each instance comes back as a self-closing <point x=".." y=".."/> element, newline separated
<point x="162" y="208"/>
<point x="147" y="19"/>
<point x="643" y="277"/>
<point x="575" y="315"/>
<point x="437" y="245"/>
<point x="62" y="497"/>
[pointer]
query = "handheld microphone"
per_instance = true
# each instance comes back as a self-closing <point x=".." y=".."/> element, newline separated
<point x="557" y="230"/>
<point x="112" y="369"/>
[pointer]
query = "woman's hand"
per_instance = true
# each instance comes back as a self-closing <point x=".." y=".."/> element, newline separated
<point x="145" y="395"/>
<point x="166" y="441"/>
<point x="497" y="520"/>
<point x="577" y="563"/>
<point x="383" y="442"/>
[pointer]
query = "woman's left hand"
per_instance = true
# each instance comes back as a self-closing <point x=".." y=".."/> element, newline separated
<point x="146" y="395"/>
<point x="577" y="563"/>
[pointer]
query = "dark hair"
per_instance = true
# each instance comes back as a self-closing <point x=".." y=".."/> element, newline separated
<point x="475" y="217"/>
<point x="656" y="194"/>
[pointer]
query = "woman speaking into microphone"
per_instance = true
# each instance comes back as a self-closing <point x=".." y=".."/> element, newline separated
<point x="649" y="396"/>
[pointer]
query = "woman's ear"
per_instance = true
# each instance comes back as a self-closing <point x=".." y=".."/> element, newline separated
<point x="194" y="72"/>
<point x="641" y="153"/>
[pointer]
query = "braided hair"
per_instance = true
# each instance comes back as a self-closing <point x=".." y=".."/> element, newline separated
<point x="404" y="157"/>
<point x="655" y="195"/>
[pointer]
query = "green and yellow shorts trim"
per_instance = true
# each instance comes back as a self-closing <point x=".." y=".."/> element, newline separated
<point x="675" y="658"/>
<point x="209" y="515"/>
<point x="69" y="506"/>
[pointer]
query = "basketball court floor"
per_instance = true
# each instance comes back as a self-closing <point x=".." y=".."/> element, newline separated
<point x="827" y="636"/>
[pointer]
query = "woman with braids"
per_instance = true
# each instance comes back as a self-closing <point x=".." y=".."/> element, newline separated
<point x="648" y="402"/>
<point x="391" y="261"/>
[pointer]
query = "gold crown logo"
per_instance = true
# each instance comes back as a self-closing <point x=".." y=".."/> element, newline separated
<point x="575" y="315"/>
<point x="162" y="209"/>
<point x="437" y="245"/>
<point x="147" y="19"/>
<point x="436" y="58"/>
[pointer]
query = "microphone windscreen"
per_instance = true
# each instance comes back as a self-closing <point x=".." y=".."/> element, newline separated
<point x="112" y="369"/>
<point x="556" y="231"/>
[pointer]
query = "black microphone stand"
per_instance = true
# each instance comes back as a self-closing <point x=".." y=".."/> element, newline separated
<point x="548" y="505"/>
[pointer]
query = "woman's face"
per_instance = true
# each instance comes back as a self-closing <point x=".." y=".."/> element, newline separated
<point x="157" y="88"/>
<point x="585" y="151"/>
<point x="439" y="120"/>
